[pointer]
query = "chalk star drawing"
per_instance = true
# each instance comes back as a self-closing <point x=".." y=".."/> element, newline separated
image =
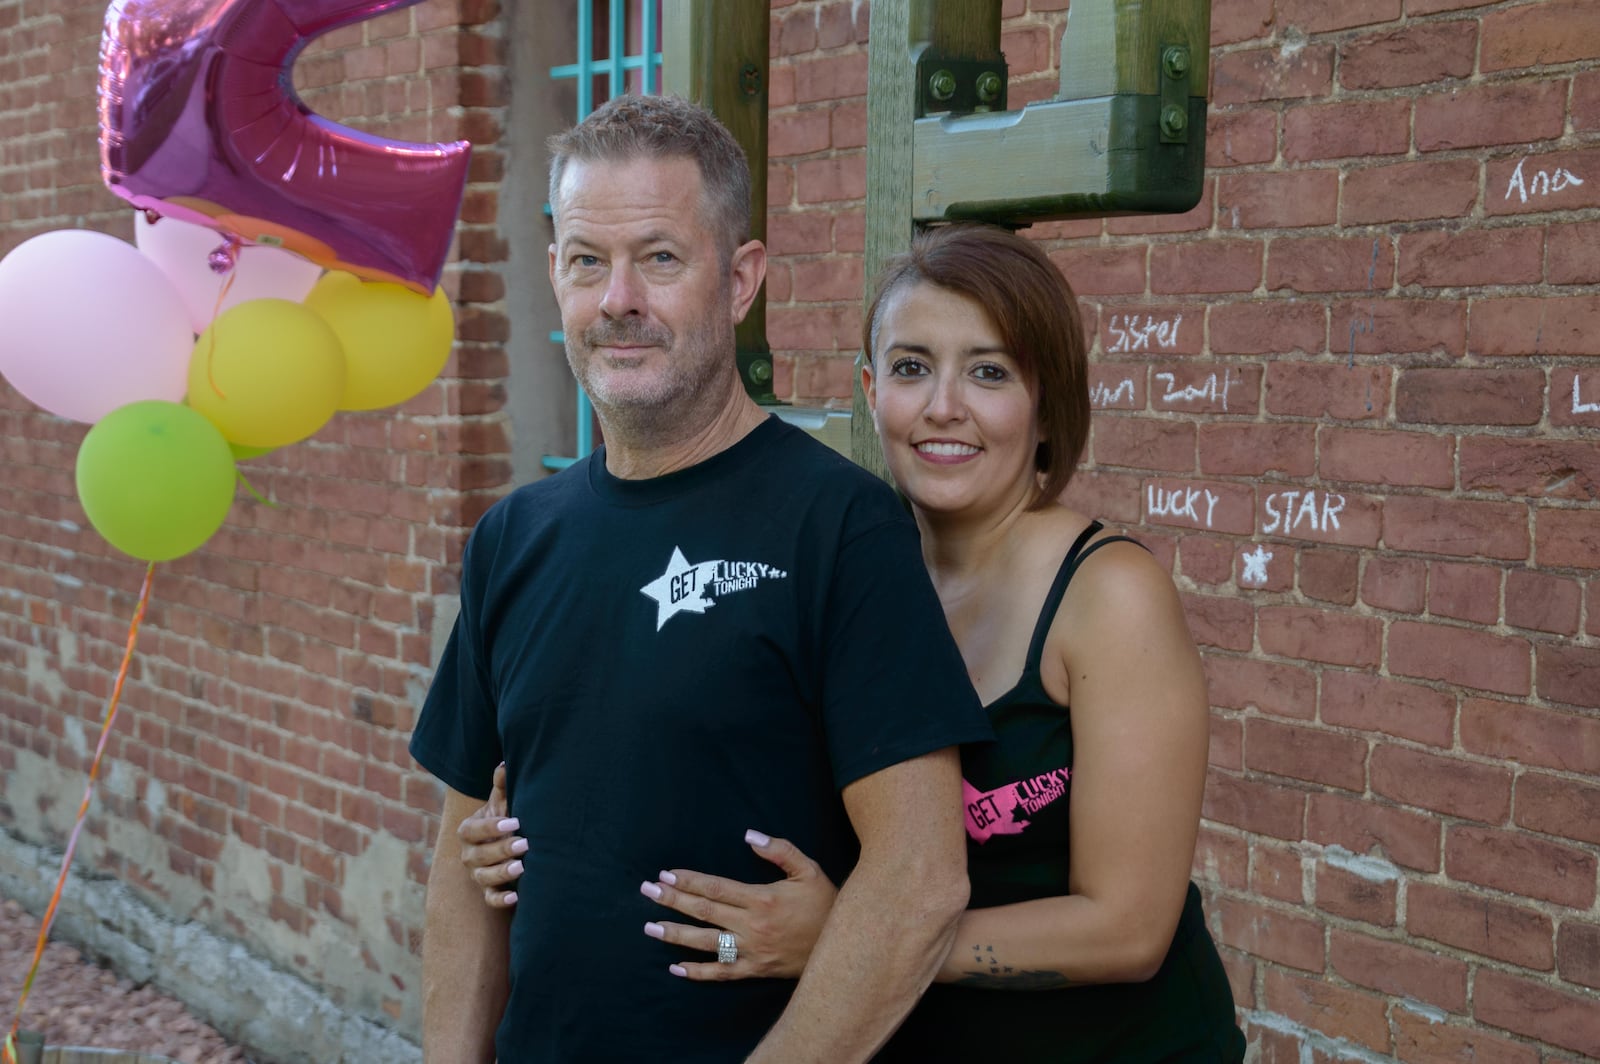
<point x="1255" y="566"/>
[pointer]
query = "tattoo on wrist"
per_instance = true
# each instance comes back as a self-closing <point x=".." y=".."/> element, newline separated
<point x="989" y="972"/>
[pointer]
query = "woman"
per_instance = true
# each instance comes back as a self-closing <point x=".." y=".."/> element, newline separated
<point x="1081" y="821"/>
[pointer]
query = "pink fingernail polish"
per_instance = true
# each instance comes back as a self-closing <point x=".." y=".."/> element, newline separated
<point x="514" y="869"/>
<point x="519" y="847"/>
<point x="507" y="825"/>
<point x="655" y="930"/>
<point x="755" y="838"/>
<point x="650" y="890"/>
<point x="511" y="898"/>
<point x="678" y="970"/>
<point x="668" y="878"/>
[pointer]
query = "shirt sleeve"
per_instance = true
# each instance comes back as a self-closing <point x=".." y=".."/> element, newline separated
<point x="895" y="686"/>
<point x="457" y="737"/>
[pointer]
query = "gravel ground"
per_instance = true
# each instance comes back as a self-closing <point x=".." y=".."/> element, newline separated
<point x="77" y="1003"/>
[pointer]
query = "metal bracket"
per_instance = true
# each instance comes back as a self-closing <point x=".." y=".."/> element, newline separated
<point x="1175" y="77"/>
<point x="959" y="86"/>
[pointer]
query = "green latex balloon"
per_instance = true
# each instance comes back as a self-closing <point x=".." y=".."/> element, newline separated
<point x="156" y="479"/>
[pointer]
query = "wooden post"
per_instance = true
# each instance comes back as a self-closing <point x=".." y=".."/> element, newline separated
<point x="902" y="31"/>
<point x="715" y="53"/>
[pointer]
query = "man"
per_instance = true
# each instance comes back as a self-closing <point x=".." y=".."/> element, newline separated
<point x="711" y="625"/>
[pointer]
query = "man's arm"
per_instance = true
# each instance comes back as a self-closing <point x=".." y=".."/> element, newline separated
<point x="894" y="919"/>
<point x="465" y="953"/>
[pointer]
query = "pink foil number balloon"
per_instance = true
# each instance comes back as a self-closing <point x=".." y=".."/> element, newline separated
<point x="199" y="120"/>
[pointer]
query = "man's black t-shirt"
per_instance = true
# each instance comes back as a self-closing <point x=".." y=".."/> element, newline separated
<point x="663" y="664"/>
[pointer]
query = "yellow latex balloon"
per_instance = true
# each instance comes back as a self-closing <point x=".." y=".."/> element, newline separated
<point x="395" y="341"/>
<point x="267" y="373"/>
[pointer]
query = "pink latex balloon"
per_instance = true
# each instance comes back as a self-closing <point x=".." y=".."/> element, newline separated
<point x="199" y="120"/>
<point x="90" y="325"/>
<point x="185" y="252"/>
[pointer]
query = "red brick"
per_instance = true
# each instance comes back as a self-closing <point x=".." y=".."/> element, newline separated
<point x="1356" y="897"/>
<point x="1544" y="326"/>
<point x="799" y="232"/>
<point x="1554" y="31"/>
<point x="1233" y="21"/>
<point x="1111" y="496"/>
<point x="1418" y="54"/>
<point x="1322" y="390"/>
<point x="1309" y="754"/>
<point x="1470" y="396"/>
<point x="1247" y="683"/>
<point x="1324" y="516"/>
<point x="1551" y="469"/>
<point x="1556" y="181"/>
<point x="1269" y="326"/>
<point x="1578" y="953"/>
<point x="1398" y="969"/>
<point x="793" y="33"/>
<point x="1027" y="50"/>
<point x="1403" y="192"/>
<point x="1586" y="102"/>
<point x="1447" y="785"/>
<point x="1102" y="271"/>
<point x="1207" y="387"/>
<point x="1216" y="621"/>
<point x="1394" y="584"/>
<point x="1357" y="129"/>
<point x="1567" y="538"/>
<point x="1314" y="16"/>
<point x="1459" y="655"/>
<point x="1206" y="266"/>
<point x="1270" y="74"/>
<point x="1456" y="527"/>
<point x="1320" y="635"/>
<point x="1269" y="933"/>
<point x="1464" y="592"/>
<point x="1148" y="331"/>
<point x="832" y="179"/>
<point x="830" y="78"/>
<point x="1485" y="115"/>
<point x="1214" y="505"/>
<point x="1422" y="1039"/>
<point x="1206" y="560"/>
<point x="1232" y="449"/>
<point x="1558" y="806"/>
<point x="1276" y="873"/>
<point x="1511" y="255"/>
<point x="1365" y="825"/>
<point x="1412" y="459"/>
<point x="1537" y="1010"/>
<point x="1336" y="1011"/>
<point x="798" y="133"/>
<point x="1542" y="602"/>
<point x="1222" y="859"/>
<point x="1145" y="443"/>
<point x="1533" y="736"/>
<point x="848" y="125"/>
<point x="1387" y="327"/>
<point x="1255" y="806"/>
<point x="1480" y="925"/>
<point x="1240" y="138"/>
<point x="1329" y="575"/>
<point x="1372" y="703"/>
<point x="1278" y="199"/>
<point x="1518" y="863"/>
<point x="1330" y="264"/>
<point x="1574" y="256"/>
<point x="1569" y="674"/>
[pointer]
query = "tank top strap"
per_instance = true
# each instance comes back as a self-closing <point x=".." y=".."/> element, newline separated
<point x="1076" y="556"/>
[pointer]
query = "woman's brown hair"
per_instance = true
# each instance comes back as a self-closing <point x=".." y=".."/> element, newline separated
<point x="1036" y="314"/>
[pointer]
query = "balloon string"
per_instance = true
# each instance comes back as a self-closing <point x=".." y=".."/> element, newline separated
<point x="211" y="333"/>
<point x="251" y="488"/>
<point x="83" y="811"/>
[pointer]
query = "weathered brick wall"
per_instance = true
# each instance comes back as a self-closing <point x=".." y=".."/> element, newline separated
<point x="258" y="781"/>
<point x="1352" y="398"/>
<point x="1366" y="354"/>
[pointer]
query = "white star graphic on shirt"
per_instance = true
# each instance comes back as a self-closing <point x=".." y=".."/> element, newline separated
<point x="681" y="587"/>
<point x="1255" y="566"/>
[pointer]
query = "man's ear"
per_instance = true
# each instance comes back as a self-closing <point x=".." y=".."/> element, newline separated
<point x="747" y="270"/>
<point x="552" y="265"/>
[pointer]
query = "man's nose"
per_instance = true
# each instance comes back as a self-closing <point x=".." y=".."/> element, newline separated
<point x="624" y="294"/>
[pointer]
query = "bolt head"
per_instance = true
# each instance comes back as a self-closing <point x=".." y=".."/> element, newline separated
<point x="1176" y="61"/>
<point x="989" y="86"/>
<point x="1173" y="120"/>
<point x="942" y="85"/>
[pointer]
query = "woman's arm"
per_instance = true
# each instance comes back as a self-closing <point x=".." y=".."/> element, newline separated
<point x="1140" y="733"/>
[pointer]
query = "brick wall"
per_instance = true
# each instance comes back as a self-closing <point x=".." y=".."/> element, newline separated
<point x="1349" y="398"/>
<point x="1352" y="398"/>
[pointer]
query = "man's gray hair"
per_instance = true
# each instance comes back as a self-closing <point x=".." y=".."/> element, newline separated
<point x="664" y="127"/>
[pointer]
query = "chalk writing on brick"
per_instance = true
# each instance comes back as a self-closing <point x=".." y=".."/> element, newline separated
<point x="1143" y="332"/>
<point x="1542" y="183"/>
<point x="1290" y="512"/>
